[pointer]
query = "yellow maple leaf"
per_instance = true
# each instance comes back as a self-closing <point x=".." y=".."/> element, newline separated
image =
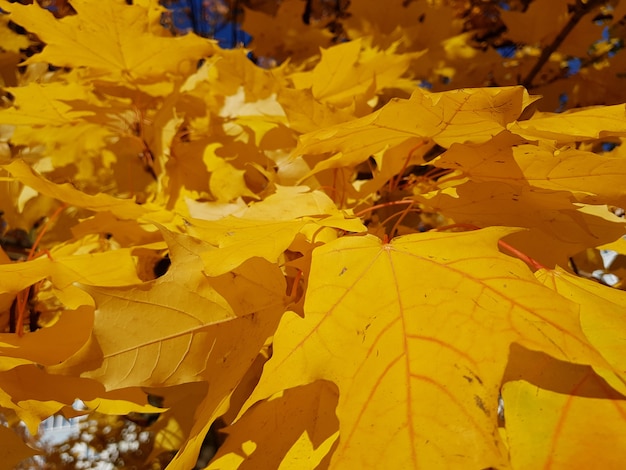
<point x="191" y="330"/>
<point x="445" y="118"/>
<point x="35" y="394"/>
<point x="267" y="228"/>
<point x="601" y="318"/>
<point x="590" y="177"/>
<point x="419" y="25"/>
<point x="351" y="73"/>
<point x="47" y="105"/>
<point x="304" y="442"/>
<point x="400" y="329"/>
<point x="559" y="227"/>
<point x="111" y="268"/>
<point x="547" y="410"/>
<point x="197" y="320"/>
<point x="226" y="182"/>
<point x="43" y="346"/>
<point x="573" y="125"/>
<point x="122" y="208"/>
<point x="113" y="40"/>
<point x="542" y="21"/>
<point x="10" y="41"/>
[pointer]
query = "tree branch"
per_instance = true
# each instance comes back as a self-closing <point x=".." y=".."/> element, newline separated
<point x="580" y="10"/>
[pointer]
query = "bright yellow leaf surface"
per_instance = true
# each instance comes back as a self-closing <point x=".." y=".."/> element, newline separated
<point x="191" y="330"/>
<point x="112" y="39"/>
<point x="559" y="227"/>
<point x="190" y="325"/>
<point x="236" y="240"/>
<point x="227" y="182"/>
<point x="267" y="228"/>
<point x="344" y="74"/>
<point x="112" y="268"/>
<point x="306" y="114"/>
<point x="451" y="117"/>
<point x="315" y="424"/>
<point x="46" y="105"/>
<point x="10" y="40"/>
<point x="602" y="317"/>
<point x="316" y="344"/>
<point x="575" y="124"/>
<point x="401" y="328"/>
<point x="561" y="416"/>
<point x="591" y="178"/>
<point x="43" y="346"/>
<point x="293" y="202"/>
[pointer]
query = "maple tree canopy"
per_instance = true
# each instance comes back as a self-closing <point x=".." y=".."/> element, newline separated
<point x="365" y="273"/>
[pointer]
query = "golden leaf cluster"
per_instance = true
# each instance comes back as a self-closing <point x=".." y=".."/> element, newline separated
<point x="346" y="269"/>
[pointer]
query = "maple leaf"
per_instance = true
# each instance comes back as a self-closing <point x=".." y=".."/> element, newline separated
<point x="432" y="350"/>
<point x="547" y="408"/>
<point x="110" y="268"/>
<point x="435" y="23"/>
<point x="34" y="394"/>
<point x="560" y="227"/>
<point x="10" y="40"/>
<point x="591" y="178"/>
<point x="266" y="229"/>
<point x="573" y="125"/>
<point x="122" y="208"/>
<point x="445" y="118"/>
<point x="42" y="347"/>
<point x="113" y="40"/>
<point x="602" y="326"/>
<point x="203" y="321"/>
<point x="396" y="326"/>
<point x="210" y="316"/>
<point x="352" y="71"/>
<point x="305" y="441"/>
<point x="67" y="136"/>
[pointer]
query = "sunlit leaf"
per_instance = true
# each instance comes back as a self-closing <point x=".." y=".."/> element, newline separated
<point x="445" y="118"/>
<point x="547" y="414"/>
<point x="396" y="327"/>
<point x="113" y="40"/>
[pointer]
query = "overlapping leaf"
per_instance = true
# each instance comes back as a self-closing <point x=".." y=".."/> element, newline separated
<point x="188" y="326"/>
<point x="601" y="318"/>
<point x="113" y="40"/>
<point x="576" y="124"/>
<point x="122" y="208"/>
<point x="395" y="353"/>
<point x="397" y="328"/>
<point x="459" y="116"/>
<point x="591" y="178"/>
<point x="34" y="394"/>
<point x="547" y="410"/>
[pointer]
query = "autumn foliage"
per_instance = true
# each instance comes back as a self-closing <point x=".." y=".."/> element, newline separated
<point x="365" y="273"/>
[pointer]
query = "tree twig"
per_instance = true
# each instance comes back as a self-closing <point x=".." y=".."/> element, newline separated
<point x="580" y="10"/>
